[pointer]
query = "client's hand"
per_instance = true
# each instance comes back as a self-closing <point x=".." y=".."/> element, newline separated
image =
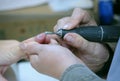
<point x="49" y="58"/>
<point x="9" y="54"/>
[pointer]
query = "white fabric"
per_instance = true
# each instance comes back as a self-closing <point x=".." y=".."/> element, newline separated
<point x="63" y="5"/>
<point x="55" y="5"/>
<point x="25" y="72"/>
<point x="17" y="4"/>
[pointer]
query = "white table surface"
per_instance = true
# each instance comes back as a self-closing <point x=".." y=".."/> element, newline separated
<point x="24" y="72"/>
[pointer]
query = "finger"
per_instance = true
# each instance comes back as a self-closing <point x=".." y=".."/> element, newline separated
<point x="45" y="39"/>
<point x="78" y="14"/>
<point x="40" y="38"/>
<point x="76" y="41"/>
<point x="82" y="17"/>
<point x="29" y="40"/>
<point x="31" y="47"/>
<point x="53" y="36"/>
<point x="61" y="23"/>
<point x="77" y="18"/>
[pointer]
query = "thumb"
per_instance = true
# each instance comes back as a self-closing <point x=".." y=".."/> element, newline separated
<point x="2" y="78"/>
<point x="76" y="41"/>
<point x="31" y="47"/>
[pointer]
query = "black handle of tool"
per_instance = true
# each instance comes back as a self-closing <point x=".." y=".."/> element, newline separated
<point x="97" y="33"/>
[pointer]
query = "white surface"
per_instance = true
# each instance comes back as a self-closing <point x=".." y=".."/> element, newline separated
<point x="17" y="4"/>
<point x="55" y="5"/>
<point x="63" y="5"/>
<point x="27" y="73"/>
<point x="24" y="72"/>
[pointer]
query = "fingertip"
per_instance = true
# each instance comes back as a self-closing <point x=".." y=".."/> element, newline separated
<point x="76" y="40"/>
<point x="47" y="39"/>
<point x="75" y="12"/>
<point x="40" y="38"/>
<point x="69" y="37"/>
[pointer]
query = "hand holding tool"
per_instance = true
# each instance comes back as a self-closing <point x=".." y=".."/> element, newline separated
<point x="93" y="33"/>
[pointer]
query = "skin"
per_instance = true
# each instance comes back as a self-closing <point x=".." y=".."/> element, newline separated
<point x="9" y="53"/>
<point x="93" y="54"/>
<point x="45" y="52"/>
<point x="48" y="57"/>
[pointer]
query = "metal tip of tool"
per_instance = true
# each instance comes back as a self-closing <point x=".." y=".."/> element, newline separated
<point x="59" y="33"/>
<point x="47" y="32"/>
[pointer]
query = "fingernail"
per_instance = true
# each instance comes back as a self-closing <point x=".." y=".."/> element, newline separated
<point x="66" y="26"/>
<point x="23" y="46"/>
<point x="40" y="36"/>
<point x="69" y="38"/>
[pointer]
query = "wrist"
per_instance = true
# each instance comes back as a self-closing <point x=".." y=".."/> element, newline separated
<point x="17" y="52"/>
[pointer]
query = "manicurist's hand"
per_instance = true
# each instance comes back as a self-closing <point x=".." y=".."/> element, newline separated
<point x="92" y="53"/>
<point x="48" y="56"/>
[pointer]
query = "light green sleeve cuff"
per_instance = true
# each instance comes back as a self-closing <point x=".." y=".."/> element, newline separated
<point x="79" y="72"/>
